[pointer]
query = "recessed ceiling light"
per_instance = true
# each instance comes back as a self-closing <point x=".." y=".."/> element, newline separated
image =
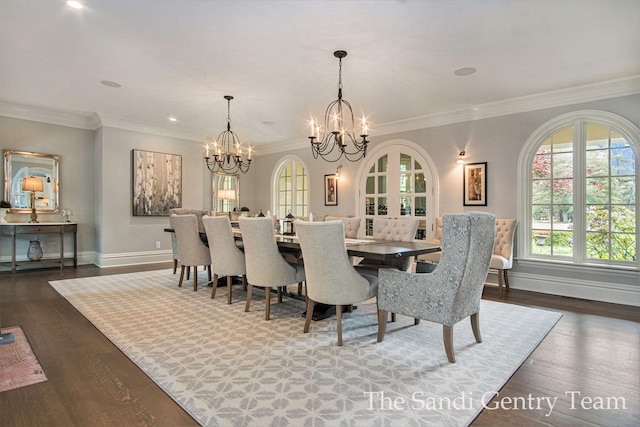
<point x="173" y="119"/>
<point x="110" y="83"/>
<point x="465" y="71"/>
<point x="74" y="4"/>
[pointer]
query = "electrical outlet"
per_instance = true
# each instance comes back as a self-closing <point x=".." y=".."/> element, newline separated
<point x="157" y="245"/>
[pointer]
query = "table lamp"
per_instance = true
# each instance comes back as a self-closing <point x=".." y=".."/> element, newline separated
<point x="32" y="184"/>
<point x="227" y="195"/>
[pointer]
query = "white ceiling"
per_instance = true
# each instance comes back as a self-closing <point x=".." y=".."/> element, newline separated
<point x="180" y="57"/>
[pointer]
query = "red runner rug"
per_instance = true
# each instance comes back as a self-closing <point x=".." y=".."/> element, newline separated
<point x="18" y="365"/>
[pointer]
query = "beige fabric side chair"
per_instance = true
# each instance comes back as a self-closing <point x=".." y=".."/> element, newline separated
<point x="193" y="252"/>
<point x="226" y="258"/>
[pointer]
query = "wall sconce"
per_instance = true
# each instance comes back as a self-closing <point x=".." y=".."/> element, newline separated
<point x="338" y="171"/>
<point x="461" y="157"/>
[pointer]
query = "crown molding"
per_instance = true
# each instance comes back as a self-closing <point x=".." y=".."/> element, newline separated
<point x="558" y="98"/>
<point x="575" y="95"/>
<point x="150" y="128"/>
<point x="54" y="117"/>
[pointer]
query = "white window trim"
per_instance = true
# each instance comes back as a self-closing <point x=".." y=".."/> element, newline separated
<point x="622" y="125"/>
<point x="275" y="174"/>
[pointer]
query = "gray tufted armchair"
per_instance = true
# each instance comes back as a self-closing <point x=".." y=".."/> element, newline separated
<point x="453" y="290"/>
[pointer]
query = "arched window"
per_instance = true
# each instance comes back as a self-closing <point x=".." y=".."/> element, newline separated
<point x="291" y="188"/>
<point x="397" y="181"/>
<point x="579" y="201"/>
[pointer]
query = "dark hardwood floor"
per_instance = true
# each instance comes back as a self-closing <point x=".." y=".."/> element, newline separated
<point x="592" y="354"/>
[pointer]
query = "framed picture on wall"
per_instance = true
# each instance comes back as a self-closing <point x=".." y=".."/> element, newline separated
<point x="330" y="190"/>
<point x="475" y="184"/>
<point x="157" y="182"/>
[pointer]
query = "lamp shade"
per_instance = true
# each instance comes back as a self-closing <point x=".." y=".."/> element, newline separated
<point x="226" y="194"/>
<point x="32" y="183"/>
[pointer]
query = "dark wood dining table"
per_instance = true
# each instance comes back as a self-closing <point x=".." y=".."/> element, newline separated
<point x="386" y="251"/>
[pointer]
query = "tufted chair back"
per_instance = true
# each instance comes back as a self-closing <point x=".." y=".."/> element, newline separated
<point x="502" y="258"/>
<point x="351" y="225"/>
<point x="395" y="229"/>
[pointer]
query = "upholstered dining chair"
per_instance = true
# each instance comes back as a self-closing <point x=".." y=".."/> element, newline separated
<point x="392" y="229"/>
<point x="331" y="279"/>
<point x="193" y="252"/>
<point x="502" y="257"/>
<point x="452" y="291"/>
<point x="174" y="243"/>
<point x="226" y="258"/>
<point x="265" y="265"/>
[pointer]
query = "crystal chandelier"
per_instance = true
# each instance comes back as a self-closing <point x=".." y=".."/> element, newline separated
<point x="227" y="151"/>
<point x="333" y="144"/>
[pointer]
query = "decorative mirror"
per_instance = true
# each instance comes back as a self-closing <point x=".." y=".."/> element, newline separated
<point x="226" y="193"/>
<point x="23" y="164"/>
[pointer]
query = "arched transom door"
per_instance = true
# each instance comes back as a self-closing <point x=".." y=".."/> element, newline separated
<point x="397" y="182"/>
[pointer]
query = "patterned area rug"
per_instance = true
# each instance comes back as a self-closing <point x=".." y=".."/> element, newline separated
<point x="18" y="365"/>
<point x="230" y="368"/>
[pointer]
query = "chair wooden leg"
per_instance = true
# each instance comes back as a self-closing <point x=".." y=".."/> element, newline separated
<point x="267" y="298"/>
<point x="475" y="326"/>
<point x="249" y="291"/>
<point x="181" y="276"/>
<point x="382" y="324"/>
<point x="195" y="278"/>
<point x="501" y="281"/>
<point x="416" y="321"/>
<point x="209" y="271"/>
<point x="175" y="266"/>
<point x="188" y="272"/>
<point x="339" y="323"/>
<point x="229" y="283"/>
<point x="214" y="284"/>
<point x="244" y="282"/>
<point x="447" y="334"/>
<point x="506" y="279"/>
<point x="393" y="317"/>
<point x="279" y="292"/>
<point x="299" y="288"/>
<point x="307" y="319"/>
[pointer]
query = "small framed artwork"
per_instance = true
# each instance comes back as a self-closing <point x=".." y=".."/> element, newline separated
<point x="330" y="190"/>
<point x="157" y="182"/>
<point x="475" y="184"/>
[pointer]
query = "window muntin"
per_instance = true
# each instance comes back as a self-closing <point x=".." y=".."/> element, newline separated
<point x="395" y="186"/>
<point x="583" y="193"/>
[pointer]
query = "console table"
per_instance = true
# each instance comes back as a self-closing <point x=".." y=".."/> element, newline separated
<point x="13" y="229"/>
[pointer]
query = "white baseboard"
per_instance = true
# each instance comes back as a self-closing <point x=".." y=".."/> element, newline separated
<point x="132" y="258"/>
<point x="575" y="288"/>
